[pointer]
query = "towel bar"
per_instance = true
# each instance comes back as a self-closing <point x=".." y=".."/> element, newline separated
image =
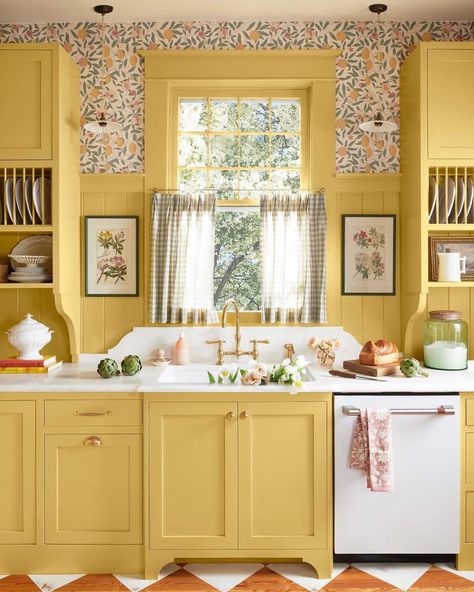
<point x="441" y="410"/>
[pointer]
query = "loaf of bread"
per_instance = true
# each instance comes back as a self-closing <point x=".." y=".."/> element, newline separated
<point x="376" y="353"/>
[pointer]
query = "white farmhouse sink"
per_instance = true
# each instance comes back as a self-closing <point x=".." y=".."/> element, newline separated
<point x="197" y="374"/>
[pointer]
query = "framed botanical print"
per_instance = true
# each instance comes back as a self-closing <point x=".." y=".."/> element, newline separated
<point x="368" y="254"/>
<point x="111" y="257"/>
<point x="464" y="245"/>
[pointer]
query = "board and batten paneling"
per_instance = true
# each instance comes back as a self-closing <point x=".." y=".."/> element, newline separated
<point x="369" y="317"/>
<point x="105" y="320"/>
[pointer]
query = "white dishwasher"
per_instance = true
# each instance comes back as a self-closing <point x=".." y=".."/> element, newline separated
<point x="421" y="514"/>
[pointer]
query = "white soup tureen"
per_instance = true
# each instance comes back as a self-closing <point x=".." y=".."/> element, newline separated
<point x="28" y="337"/>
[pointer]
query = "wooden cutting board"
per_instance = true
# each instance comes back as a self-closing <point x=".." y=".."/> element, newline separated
<point x="384" y="370"/>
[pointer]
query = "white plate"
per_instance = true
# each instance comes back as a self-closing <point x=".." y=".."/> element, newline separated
<point x="29" y="280"/>
<point x="9" y="198"/>
<point x="469" y="200"/>
<point x="47" y="200"/>
<point x="432" y="197"/>
<point x="19" y="200"/>
<point x="34" y="245"/>
<point x="451" y="192"/>
<point x="29" y="199"/>
<point x="458" y="203"/>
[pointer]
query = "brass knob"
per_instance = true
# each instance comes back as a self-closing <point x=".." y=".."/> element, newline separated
<point x="92" y="441"/>
<point x="230" y="416"/>
<point x="244" y="415"/>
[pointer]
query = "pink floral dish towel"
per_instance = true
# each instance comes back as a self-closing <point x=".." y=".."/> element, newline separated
<point x="371" y="450"/>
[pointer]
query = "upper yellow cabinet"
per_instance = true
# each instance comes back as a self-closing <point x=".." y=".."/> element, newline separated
<point x="25" y="103"/>
<point x="450" y="103"/>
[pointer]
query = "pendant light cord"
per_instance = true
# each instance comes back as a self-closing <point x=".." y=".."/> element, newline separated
<point x="103" y="70"/>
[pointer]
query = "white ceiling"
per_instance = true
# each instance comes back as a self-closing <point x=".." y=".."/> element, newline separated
<point x="40" y="11"/>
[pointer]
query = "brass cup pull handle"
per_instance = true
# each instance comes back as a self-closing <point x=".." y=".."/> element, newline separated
<point x="244" y="415"/>
<point x="231" y="416"/>
<point x="92" y="441"/>
<point x="92" y="413"/>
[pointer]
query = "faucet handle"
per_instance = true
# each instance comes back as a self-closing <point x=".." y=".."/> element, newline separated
<point x="255" y="342"/>
<point x="290" y="350"/>
<point x="220" y="350"/>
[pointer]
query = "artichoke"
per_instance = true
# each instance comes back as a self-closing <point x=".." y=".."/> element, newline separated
<point x="108" y="368"/>
<point x="411" y="367"/>
<point x="131" y="365"/>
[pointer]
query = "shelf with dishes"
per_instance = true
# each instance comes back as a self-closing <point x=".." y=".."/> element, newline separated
<point x="451" y="197"/>
<point x="28" y="263"/>
<point x="25" y="197"/>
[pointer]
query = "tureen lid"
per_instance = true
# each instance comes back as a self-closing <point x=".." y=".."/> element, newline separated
<point x="29" y="325"/>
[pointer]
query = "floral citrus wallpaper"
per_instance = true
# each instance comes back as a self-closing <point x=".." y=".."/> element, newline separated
<point x="358" y="69"/>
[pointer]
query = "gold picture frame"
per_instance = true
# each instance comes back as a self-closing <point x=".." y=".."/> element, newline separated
<point x="451" y="244"/>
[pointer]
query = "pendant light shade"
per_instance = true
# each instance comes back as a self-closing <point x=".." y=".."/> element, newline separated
<point x="102" y="125"/>
<point x="378" y="124"/>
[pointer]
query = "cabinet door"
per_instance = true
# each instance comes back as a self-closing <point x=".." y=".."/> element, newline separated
<point x="93" y="489"/>
<point x="450" y="103"/>
<point x="17" y="468"/>
<point x="25" y="104"/>
<point x="193" y="475"/>
<point x="283" y="475"/>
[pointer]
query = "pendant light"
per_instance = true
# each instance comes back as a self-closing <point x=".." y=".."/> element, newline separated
<point x="102" y="125"/>
<point x="378" y="124"/>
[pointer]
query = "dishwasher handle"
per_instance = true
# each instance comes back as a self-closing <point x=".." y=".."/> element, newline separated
<point x="354" y="411"/>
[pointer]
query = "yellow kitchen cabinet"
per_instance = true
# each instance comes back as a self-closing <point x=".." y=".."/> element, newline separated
<point x="465" y="559"/>
<point x="282" y="476"/>
<point x="93" y="489"/>
<point x="25" y="103"/>
<point x="17" y="468"/>
<point x="193" y="475"/>
<point x="450" y="103"/>
<point x="239" y="479"/>
<point x="436" y="142"/>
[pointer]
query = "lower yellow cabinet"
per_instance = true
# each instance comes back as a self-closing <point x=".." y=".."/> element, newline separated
<point x="465" y="560"/>
<point x="17" y="468"/>
<point x="282" y="476"/>
<point x="240" y="479"/>
<point x="93" y="489"/>
<point x="193" y="475"/>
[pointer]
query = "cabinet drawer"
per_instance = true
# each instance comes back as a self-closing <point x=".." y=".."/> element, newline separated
<point x="470" y="412"/>
<point x="86" y="412"/>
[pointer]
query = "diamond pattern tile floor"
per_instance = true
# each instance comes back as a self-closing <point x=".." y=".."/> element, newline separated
<point x="235" y="577"/>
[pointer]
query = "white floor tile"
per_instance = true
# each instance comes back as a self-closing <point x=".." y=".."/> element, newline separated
<point x="135" y="582"/>
<point x="400" y="575"/>
<point x="223" y="576"/>
<point x="50" y="582"/>
<point x="304" y="574"/>
<point x="469" y="575"/>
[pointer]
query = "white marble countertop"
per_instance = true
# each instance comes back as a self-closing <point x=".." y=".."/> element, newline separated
<point x="83" y="377"/>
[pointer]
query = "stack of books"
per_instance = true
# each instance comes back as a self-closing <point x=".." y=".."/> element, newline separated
<point x="15" y="366"/>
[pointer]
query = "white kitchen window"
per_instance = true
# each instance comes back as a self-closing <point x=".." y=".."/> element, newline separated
<point x="239" y="144"/>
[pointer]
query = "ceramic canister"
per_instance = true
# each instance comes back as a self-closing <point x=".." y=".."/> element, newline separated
<point x="451" y="266"/>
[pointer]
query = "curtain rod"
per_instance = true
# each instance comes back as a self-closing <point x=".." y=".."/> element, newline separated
<point x="213" y="190"/>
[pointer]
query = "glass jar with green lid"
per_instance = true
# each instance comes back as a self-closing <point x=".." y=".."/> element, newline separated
<point x="445" y="340"/>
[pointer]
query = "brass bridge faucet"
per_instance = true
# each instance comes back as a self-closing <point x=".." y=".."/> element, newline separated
<point x="237" y="337"/>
